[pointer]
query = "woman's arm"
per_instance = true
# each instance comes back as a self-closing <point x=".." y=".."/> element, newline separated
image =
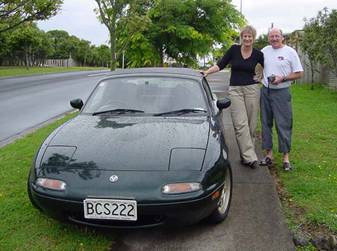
<point x="221" y="63"/>
<point x="214" y="68"/>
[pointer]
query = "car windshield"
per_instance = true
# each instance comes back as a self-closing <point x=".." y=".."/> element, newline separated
<point x="147" y="95"/>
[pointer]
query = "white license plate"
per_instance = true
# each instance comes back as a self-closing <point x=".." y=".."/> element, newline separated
<point x="110" y="209"/>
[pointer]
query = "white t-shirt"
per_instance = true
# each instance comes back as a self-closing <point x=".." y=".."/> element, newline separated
<point x="280" y="62"/>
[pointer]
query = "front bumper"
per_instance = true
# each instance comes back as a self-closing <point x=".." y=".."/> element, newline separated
<point x="149" y="214"/>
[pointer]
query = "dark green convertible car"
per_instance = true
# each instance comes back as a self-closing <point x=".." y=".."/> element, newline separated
<point x="146" y="149"/>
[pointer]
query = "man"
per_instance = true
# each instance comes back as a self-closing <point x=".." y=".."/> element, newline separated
<point x="281" y="66"/>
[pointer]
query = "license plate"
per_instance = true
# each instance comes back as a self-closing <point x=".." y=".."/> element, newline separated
<point x="110" y="209"/>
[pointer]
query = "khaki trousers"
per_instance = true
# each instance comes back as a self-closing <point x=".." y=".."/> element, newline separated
<point x="244" y="111"/>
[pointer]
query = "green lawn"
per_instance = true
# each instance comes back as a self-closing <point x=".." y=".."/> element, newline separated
<point x="23" y="227"/>
<point x="22" y="71"/>
<point x="312" y="185"/>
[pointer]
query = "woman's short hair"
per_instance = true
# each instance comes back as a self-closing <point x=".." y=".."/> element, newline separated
<point x="248" y="29"/>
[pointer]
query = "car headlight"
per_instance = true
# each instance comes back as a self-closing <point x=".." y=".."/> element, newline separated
<point x="177" y="188"/>
<point x="51" y="184"/>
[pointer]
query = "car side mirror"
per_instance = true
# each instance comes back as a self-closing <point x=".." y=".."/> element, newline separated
<point x="223" y="103"/>
<point x="76" y="103"/>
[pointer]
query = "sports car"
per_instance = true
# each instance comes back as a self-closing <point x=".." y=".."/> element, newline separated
<point x="146" y="149"/>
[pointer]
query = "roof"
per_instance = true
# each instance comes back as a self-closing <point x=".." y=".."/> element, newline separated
<point x="157" y="70"/>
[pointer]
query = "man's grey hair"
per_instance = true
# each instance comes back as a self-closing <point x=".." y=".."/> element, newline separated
<point x="275" y="28"/>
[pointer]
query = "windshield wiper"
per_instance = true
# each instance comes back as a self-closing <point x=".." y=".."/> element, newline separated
<point x="118" y="111"/>
<point x="181" y="111"/>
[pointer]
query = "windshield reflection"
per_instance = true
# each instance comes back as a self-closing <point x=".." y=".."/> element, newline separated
<point x="149" y="94"/>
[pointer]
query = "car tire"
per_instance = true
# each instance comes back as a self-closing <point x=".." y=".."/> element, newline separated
<point x="221" y="212"/>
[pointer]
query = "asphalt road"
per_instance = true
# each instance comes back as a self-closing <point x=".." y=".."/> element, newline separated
<point x="255" y="220"/>
<point x="26" y="102"/>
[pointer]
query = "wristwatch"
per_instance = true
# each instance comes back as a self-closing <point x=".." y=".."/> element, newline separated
<point x="285" y="79"/>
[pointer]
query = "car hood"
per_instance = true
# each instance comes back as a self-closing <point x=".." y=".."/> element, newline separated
<point x="129" y="143"/>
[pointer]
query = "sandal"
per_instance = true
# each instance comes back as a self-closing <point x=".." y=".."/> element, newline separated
<point x="266" y="161"/>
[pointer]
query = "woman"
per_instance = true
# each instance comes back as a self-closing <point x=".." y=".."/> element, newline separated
<point x="244" y="91"/>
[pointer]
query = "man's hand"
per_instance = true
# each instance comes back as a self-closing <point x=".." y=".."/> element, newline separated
<point x="278" y="80"/>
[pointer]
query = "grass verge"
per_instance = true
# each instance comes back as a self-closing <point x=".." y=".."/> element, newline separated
<point x="22" y="227"/>
<point x="309" y="192"/>
<point x="22" y="71"/>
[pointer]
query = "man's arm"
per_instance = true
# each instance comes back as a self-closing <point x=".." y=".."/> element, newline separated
<point x="290" y="77"/>
<point x="293" y="76"/>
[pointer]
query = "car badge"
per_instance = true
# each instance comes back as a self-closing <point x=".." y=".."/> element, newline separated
<point x="113" y="178"/>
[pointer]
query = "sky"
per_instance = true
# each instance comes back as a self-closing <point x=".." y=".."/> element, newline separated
<point x="77" y="17"/>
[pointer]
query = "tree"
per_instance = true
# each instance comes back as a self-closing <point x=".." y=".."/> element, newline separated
<point x="261" y="41"/>
<point x="141" y="52"/>
<point x="43" y="49"/>
<point x="131" y="41"/>
<point x="23" y="41"/>
<point x="62" y="43"/>
<point x="15" y="12"/>
<point x="103" y="53"/>
<point x="183" y="29"/>
<point x="320" y="41"/>
<point x="111" y="12"/>
<point x="329" y="21"/>
<point x="25" y="45"/>
<point x="310" y="43"/>
<point x="4" y="48"/>
<point x="81" y="52"/>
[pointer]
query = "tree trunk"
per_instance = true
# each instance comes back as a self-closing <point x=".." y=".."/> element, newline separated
<point x="312" y="70"/>
<point x="85" y="59"/>
<point x="26" y="59"/>
<point x="113" y="49"/>
<point x="161" y="53"/>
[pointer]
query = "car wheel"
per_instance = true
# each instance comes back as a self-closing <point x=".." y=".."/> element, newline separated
<point x="221" y="212"/>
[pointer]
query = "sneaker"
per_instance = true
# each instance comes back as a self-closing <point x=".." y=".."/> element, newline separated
<point x="266" y="161"/>
<point x="287" y="166"/>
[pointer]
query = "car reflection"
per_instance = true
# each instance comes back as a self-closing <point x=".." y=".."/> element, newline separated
<point x="58" y="163"/>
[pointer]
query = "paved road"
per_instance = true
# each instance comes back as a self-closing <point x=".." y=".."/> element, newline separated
<point x="26" y="102"/>
<point x="255" y="220"/>
<point x="219" y="81"/>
